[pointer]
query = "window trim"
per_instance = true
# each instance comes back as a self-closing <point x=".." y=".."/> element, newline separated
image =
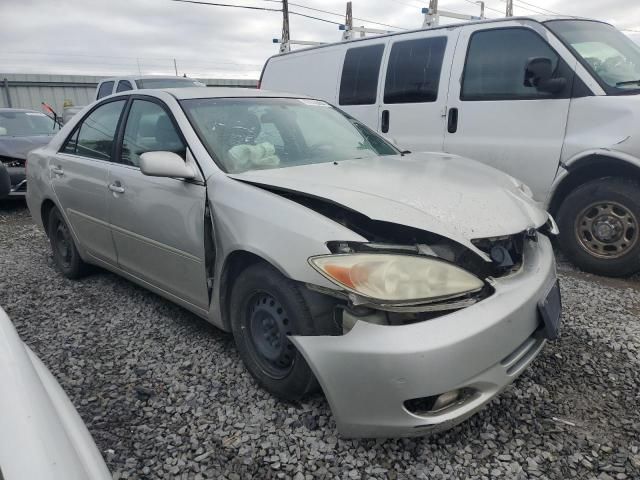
<point x="566" y="94"/>
<point x="388" y="64"/>
<point x="78" y="126"/>
<point x="377" y="88"/>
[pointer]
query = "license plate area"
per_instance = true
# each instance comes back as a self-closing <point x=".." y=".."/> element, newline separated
<point x="549" y="309"/>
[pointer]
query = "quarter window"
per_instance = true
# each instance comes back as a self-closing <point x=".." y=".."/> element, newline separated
<point x="123" y="86"/>
<point x="149" y="129"/>
<point x="413" y="73"/>
<point x="496" y="62"/>
<point x="94" y="137"/>
<point x="359" y="83"/>
<point x="105" y="89"/>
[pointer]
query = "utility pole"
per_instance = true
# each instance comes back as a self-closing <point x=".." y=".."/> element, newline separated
<point x="509" y="12"/>
<point x="481" y="9"/>
<point x="348" y="23"/>
<point x="175" y="66"/>
<point x="285" y="41"/>
<point x="431" y="18"/>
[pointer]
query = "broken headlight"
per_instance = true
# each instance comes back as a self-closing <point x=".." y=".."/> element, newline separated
<point x="396" y="278"/>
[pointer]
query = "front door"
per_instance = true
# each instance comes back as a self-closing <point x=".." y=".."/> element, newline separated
<point x="80" y="174"/>
<point x="414" y="97"/>
<point x="494" y="117"/>
<point x="157" y="223"/>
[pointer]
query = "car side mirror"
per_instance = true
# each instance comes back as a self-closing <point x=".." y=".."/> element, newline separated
<point x="165" y="164"/>
<point x="539" y="72"/>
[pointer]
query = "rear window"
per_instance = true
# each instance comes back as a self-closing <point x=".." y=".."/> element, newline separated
<point x="413" y="72"/>
<point x="359" y="83"/>
<point x="105" y="89"/>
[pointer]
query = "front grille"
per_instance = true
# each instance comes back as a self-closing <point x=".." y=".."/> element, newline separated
<point x="12" y="162"/>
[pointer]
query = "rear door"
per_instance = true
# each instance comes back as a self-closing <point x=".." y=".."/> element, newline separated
<point x="80" y="173"/>
<point x="494" y="117"/>
<point x="416" y="81"/>
<point x="360" y="80"/>
<point x="157" y="223"/>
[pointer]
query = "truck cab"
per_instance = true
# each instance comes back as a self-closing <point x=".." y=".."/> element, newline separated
<point x="554" y="102"/>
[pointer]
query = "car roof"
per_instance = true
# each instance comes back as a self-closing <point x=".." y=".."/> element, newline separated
<point x="221" y="92"/>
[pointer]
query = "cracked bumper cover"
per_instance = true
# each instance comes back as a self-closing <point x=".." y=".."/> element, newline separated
<point x="370" y="372"/>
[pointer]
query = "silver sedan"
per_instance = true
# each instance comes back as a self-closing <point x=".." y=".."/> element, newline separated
<point x="410" y="288"/>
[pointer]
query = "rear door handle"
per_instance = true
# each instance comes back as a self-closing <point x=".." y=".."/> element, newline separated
<point x="384" y="122"/>
<point x="116" y="187"/>
<point x="452" y="120"/>
<point x="57" y="171"/>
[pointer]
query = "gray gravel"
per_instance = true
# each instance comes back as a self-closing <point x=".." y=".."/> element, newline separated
<point x="165" y="395"/>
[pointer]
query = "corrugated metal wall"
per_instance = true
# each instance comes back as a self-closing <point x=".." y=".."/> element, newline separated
<point x="30" y="90"/>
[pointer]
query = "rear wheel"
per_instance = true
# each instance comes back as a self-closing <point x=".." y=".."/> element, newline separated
<point x="599" y="229"/>
<point x="265" y="309"/>
<point x="65" y="253"/>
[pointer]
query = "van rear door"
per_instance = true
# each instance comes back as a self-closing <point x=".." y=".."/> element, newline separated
<point x="494" y="116"/>
<point x="414" y="94"/>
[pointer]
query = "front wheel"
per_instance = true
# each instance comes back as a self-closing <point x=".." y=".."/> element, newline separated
<point x="265" y="309"/>
<point x="599" y="229"/>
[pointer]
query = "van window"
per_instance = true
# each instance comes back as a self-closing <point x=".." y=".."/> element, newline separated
<point x="413" y="73"/>
<point x="105" y="89"/>
<point x="359" y="83"/>
<point x="495" y="65"/>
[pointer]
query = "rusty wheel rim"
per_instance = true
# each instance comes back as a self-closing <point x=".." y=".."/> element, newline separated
<point x="606" y="229"/>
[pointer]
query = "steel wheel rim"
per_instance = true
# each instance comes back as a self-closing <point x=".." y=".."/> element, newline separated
<point x="63" y="244"/>
<point x="268" y="327"/>
<point x="606" y="229"/>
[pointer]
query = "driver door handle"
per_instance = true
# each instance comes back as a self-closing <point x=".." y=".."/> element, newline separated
<point x="116" y="187"/>
<point x="57" y="171"/>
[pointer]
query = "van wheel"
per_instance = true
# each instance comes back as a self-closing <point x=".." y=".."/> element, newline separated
<point x="265" y="309"/>
<point x="65" y="253"/>
<point x="599" y="229"/>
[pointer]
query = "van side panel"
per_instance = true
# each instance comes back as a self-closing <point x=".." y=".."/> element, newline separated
<point x="314" y="73"/>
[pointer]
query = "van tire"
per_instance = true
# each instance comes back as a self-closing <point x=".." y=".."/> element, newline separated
<point x="265" y="308"/>
<point x="613" y="205"/>
<point x="65" y="254"/>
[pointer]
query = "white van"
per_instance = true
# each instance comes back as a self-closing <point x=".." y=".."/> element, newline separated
<point x="552" y="101"/>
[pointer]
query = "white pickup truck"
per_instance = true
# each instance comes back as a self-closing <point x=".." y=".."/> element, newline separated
<point x="122" y="84"/>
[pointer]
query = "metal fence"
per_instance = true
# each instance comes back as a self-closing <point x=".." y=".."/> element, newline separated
<point x="30" y="90"/>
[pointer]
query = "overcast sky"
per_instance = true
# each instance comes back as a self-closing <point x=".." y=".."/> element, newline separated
<point x="129" y="36"/>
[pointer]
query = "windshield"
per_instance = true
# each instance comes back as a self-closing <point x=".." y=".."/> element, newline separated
<point x="261" y="133"/>
<point x="611" y="55"/>
<point x="25" y="124"/>
<point x="168" y="83"/>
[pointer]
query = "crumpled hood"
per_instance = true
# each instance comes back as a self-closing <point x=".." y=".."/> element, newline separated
<point x="444" y="194"/>
<point x="18" y="147"/>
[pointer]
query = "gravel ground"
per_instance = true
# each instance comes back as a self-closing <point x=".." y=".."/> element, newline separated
<point x="165" y="395"/>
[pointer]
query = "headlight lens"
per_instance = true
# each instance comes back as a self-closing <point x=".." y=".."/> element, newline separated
<point x="396" y="278"/>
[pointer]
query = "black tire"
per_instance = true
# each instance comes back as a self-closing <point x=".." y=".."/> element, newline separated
<point x="611" y="203"/>
<point x="5" y="182"/>
<point x="65" y="253"/>
<point x="265" y="306"/>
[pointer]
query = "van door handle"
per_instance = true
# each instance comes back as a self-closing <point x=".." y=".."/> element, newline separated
<point x="384" y="122"/>
<point x="57" y="171"/>
<point x="116" y="187"/>
<point x="452" y="120"/>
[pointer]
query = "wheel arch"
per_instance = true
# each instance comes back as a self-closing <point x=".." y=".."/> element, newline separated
<point x="592" y="166"/>
<point x="45" y="210"/>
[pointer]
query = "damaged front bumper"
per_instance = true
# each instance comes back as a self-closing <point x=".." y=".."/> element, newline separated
<point x="378" y="378"/>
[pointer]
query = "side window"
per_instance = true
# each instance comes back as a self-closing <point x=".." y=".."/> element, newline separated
<point x="105" y="89"/>
<point x="123" y="86"/>
<point x="94" y="137"/>
<point x="149" y="129"/>
<point x="413" y="72"/>
<point x="496" y="62"/>
<point x="359" y="83"/>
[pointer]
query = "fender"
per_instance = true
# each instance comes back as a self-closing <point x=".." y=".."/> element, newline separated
<point x="579" y="159"/>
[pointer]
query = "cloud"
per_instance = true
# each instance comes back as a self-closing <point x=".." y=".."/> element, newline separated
<point x="128" y="36"/>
